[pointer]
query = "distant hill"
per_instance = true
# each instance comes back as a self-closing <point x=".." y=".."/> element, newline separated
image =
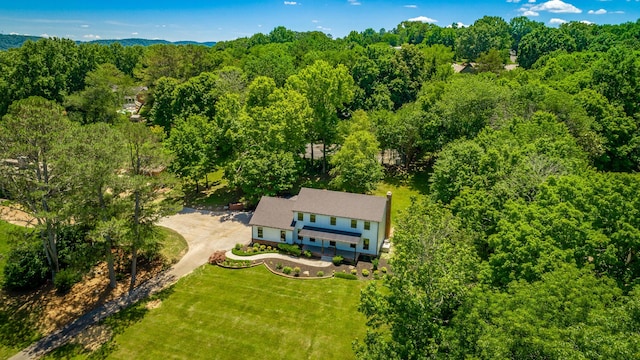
<point x="14" y="41"/>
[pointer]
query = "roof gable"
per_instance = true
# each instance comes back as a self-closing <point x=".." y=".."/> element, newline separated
<point x="274" y="212"/>
<point x="341" y="204"/>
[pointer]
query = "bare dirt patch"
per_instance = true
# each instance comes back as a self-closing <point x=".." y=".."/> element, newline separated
<point x="14" y="215"/>
<point x="153" y="304"/>
<point x="93" y="337"/>
<point x="53" y="310"/>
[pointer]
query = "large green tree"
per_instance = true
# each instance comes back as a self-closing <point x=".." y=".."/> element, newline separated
<point x="355" y="166"/>
<point x="328" y="90"/>
<point x="29" y="134"/>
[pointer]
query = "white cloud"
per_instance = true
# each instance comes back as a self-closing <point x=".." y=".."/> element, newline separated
<point x="532" y="1"/>
<point x="134" y="33"/>
<point x="315" y="21"/>
<point x="354" y="2"/>
<point x="556" y="7"/>
<point x="597" y="12"/>
<point x="530" y="13"/>
<point x="290" y="3"/>
<point x="13" y="33"/>
<point x="459" y="24"/>
<point x="45" y="35"/>
<point x="616" y="12"/>
<point x="322" y="28"/>
<point x="557" y="21"/>
<point x="513" y="1"/>
<point x="411" y="6"/>
<point x="424" y="19"/>
<point x="91" y="36"/>
<point x="84" y="26"/>
<point x="586" y="22"/>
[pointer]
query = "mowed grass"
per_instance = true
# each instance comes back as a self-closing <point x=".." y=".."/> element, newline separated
<point x="402" y="190"/>
<point x="219" y="313"/>
<point x="174" y="246"/>
<point x="7" y="231"/>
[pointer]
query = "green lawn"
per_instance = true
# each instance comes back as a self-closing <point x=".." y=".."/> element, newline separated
<point x="402" y="190"/>
<point x="218" y="193"/>
<point x="218" y="313"/>
<point x="174" y="246"/>
<point x="6" y="231"/>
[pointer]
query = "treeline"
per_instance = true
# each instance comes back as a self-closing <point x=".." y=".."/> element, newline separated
<point x="15" y="41"/>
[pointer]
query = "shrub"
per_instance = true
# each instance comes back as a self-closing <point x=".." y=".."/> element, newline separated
<point x="345" y="276"/>
<point x="290" y="249"/>
<point x="217" y="257"/>
<point x="375" y="263"/>
<point x="376" y="274"/>
<point x="287" y="270"/>
<point x="238" y="246"/>
<point x="354" y="271"/>
<point x="383" y="269"/>
<point x="320" y="273"/>
<point x="278" y="266"/>
<point x="269" y="248"/>
<point x="296" y="271"/>
<point x="263" y="247"/>
<point x="249" y="251"/>
<point x="26" y="267"/>
<point x="337" y="260"/>
<point x="365" y="272"/>
<point x="65" y="280"/>
<point x="307" y="253"/>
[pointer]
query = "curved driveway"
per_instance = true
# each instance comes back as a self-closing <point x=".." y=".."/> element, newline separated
<point x="206" y="232"/>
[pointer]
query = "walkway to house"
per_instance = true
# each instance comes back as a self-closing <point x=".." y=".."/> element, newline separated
<point x="299" y="260"/>
<point x="204" y="231"/>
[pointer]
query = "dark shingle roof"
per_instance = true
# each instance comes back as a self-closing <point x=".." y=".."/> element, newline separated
<point x="274" y="212"/>
<point x="341" y="204"/>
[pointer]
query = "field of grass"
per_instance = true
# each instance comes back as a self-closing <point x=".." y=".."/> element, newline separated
<point x="6" y="231"/>
<point x="402" y="189"/>
<point x="218" y="313"/>
<point x="174" y="246"/>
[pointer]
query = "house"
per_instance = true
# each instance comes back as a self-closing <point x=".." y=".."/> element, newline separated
<point x="324" y="222"/>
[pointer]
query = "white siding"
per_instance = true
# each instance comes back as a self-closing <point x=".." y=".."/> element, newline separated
<point x="271" y="234"/>
<point x="375" y="233"/>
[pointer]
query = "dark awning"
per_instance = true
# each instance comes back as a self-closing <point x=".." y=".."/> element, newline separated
<point x="331" y="235"/>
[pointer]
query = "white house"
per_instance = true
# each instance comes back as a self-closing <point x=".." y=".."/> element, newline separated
<point x="325" y="222"/>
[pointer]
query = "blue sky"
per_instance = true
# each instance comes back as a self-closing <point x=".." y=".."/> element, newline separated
<point x="202" y="20"/>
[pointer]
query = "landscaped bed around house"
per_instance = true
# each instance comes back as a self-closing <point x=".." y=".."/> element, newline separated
<point x="216" y="313"/>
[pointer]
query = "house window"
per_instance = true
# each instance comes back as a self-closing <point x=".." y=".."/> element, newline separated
<point x="312" y="217"/>
<point x="353" y="246"/>
<point x="332" y="243"/>
<point x="260" y="233"/>
<point x="312" y="239"/>
<point x="283" y="235"/>
<point x="333" y="220"/>
<point x="367" y="225"/>
<point x="300" y="216"/>
<point x="365" y="244"/>
<point x="354" y="223"/>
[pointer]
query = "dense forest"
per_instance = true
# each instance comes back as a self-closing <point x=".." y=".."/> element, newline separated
<point x="526" y="245"/>
<point x="15" y="41"/>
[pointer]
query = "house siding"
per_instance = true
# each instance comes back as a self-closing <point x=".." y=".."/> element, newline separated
<point x="374" y="234"/>
<point x="271" y="235"/>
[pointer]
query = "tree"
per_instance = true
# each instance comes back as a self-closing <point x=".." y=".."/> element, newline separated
<point x="146" y="202"/>
<point x="569" y="313"/>
<point x="29" y="134"/>
<point x="489" y="32"/>
<point x="355" y="165"/>
<point x="193" y="143"/>
<point x="258" y="173"/>
<point x="434" y="267"/>
<point x="327" y="90"/>
<point x="106" y="88"/>
<point x="490" y="61"/>
<point x="162" y="112"/>
<point x="90" y="159"/>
